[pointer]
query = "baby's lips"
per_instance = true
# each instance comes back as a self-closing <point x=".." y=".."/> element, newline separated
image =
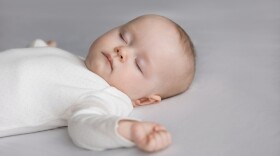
<point x="109" y="58"/>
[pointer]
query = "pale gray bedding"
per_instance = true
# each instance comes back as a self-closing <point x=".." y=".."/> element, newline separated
<point x="233" y="106"/>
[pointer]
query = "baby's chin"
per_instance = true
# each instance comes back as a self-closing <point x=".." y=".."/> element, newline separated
<point x="88" y="64"/>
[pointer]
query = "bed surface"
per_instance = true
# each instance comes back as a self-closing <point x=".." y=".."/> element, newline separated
<point x="233" y="106"/>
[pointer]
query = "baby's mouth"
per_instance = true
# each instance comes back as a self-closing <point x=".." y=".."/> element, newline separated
<point x="109" y="59"/>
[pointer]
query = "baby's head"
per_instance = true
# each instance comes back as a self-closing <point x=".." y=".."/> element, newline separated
<point x="149" y="58"/>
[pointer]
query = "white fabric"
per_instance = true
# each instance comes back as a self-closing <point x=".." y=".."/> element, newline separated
<point x="37" y="43"/>
<point x="46" y="88"/>
<point x="233" y="106"/>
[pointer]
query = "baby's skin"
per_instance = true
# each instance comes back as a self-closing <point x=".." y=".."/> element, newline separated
<point x="136" y="59"/>
<point x="147" y="136"/>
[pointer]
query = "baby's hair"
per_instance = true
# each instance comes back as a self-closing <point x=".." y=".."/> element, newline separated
<point x="187" y="43"/>
<point x="189" y="50"/>
<point x="186" y="40"/>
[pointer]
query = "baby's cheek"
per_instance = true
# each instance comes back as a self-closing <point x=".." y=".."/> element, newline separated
<point x="131" y="85"/>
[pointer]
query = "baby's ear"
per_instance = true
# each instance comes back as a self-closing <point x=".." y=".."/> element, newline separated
<point x="147" y="100"/>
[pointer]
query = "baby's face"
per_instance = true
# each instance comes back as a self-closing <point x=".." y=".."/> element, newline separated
<point x="136" y="57"/>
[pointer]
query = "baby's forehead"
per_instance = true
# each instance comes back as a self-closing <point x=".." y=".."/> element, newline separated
<point x="157" y="34"/>
<point x="151" y="22"/>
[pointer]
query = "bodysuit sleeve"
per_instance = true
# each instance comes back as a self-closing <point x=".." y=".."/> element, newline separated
<point x="93" y="121"/>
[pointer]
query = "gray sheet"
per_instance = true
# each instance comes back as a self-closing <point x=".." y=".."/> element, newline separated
<point x="233" y="107"/>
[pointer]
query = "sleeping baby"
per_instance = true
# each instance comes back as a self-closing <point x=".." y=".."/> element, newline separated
<point x="139" y="63"/>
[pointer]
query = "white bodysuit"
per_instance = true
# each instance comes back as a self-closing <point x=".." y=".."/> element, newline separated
<point x="46" y="88"/>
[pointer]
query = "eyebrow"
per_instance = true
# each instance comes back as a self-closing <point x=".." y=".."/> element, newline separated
<point x="123" y="28"/>
<point x="127" y="28"/>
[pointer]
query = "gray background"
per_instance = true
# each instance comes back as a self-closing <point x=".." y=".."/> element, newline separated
<point x="233" y="106"/>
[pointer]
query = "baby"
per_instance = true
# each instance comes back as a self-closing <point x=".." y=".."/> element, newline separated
<point x="139" y="63"/>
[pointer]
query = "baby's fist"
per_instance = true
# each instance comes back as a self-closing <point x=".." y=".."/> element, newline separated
<point x="150" y="136"/>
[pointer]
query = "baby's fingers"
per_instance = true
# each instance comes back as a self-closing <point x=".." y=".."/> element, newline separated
<point x="159" y="128"/>
<point x="157" y="141"/>
<point x="151" y="143"/>
<point x="165" y="138"/>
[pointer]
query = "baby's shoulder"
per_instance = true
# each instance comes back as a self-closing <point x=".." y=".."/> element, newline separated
<point x="109" y="98"/>
<point x="36" y="51"/>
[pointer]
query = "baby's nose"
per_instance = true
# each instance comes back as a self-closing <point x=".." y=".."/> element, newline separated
<point x="121" y="53"/>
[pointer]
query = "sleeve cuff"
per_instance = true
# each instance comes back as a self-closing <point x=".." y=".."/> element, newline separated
<point x="125" y="142"/>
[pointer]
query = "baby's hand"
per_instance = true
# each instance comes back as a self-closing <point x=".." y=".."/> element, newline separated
<point x="51" y="43"/>
<point x="147" y="136"/>
<point x="41" y="43"/>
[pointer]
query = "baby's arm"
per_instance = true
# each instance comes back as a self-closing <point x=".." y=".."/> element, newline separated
<point x="89" y="127"/>
<point x="147" y="136"/>
<point x="91" y="130"/>
<point x="99" y="123"/>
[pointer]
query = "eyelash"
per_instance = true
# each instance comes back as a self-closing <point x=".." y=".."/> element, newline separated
<point x="138" y="66"/>
<point x="121" y="36"/>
